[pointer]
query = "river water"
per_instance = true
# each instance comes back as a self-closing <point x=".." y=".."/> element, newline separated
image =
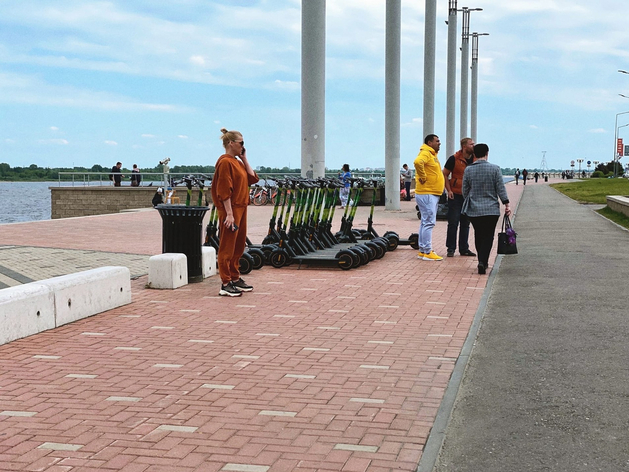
<point x="24" y="201"/>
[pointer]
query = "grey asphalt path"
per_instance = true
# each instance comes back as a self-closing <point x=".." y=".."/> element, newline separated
<point x="547" y="384"/>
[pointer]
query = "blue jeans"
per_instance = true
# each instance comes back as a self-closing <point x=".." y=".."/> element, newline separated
<point x="456" y="219"/>
<point x="427" y="205"/>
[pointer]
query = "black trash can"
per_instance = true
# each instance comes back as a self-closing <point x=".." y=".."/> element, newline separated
<point x="545" y="178"/>
<point x="182" y="232"/>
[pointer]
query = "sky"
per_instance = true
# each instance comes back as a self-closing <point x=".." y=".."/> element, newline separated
<point x="86" y="82"/>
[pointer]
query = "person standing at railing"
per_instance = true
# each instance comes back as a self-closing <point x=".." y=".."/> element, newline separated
<point x="116" y="175"/>
<point x="230" y="193"/>
<point x="136" y="178"/>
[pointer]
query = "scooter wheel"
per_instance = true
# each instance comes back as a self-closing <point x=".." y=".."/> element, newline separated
<point x="267" y="250"/>
<point x="392" y="242"/>
<point x="279" y="258"/>
<point x="382" y="248"/>
<point x="363" y="252"/>
<point x="414" y="240"/>
<point x="245" y="265"/>
<point x="389" y="233"/>
<point x="372" y="249"/>
<point x="268" y="240"/>
<point x="258" y="257"/>
<point x="355" y="256"/>
<point x="346" y="259"/>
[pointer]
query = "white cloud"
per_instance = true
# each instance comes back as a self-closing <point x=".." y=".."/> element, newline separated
<point x="111" y="143"/>
<point x="148" y="135"/>
<point x="597" y="131"/>
<point x="54" y="128"/>
<point x="32" y="90"/>
<point x="182" y="136"/>
<point x="54" y="141"/>
<point x="533" y="127"/>
<point x="9" y="141"/>
<point x="414" y="123"/>
<point x="286" y="85"/>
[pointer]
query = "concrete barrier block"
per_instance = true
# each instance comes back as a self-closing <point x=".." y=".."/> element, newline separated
<point x="25" y="310"/>
<point x="168" y="270"/>
<point x="208" y="261"/>
<point x="87" y="293"/>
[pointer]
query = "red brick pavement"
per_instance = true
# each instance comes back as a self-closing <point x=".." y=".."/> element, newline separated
<point x="317" y="369"/>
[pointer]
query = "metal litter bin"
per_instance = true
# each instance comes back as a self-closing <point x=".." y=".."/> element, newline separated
<point x="182" y="232"/>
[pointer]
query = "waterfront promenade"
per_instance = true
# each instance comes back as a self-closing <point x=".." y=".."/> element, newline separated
<point x="317" y="369"/>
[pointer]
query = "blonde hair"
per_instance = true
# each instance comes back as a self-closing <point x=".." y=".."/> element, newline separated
<point x="229" y="136"/>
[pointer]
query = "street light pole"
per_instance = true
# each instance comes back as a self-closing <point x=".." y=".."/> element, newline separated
<point x="465" y="53"/>
<point x="616" y="138"/>
<point x="474" y="103"/>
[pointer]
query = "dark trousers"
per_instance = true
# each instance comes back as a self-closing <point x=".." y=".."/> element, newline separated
<point x="484" y="229"/>
<point x="457" y="220"/>
<point x="407" y="186"/>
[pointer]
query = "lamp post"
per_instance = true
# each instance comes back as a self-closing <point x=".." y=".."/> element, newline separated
<point x="465" y="53"/>
<point x="616" y="138"/>
<point x="474" y="104"/>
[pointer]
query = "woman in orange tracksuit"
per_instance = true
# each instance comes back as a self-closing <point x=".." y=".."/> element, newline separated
<point x="230" y="193"/>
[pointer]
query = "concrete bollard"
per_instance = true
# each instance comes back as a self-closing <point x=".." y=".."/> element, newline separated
<point x="168" y="270"/>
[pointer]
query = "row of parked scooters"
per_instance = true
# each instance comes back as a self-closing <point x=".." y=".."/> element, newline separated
<point x="300" y="228"/>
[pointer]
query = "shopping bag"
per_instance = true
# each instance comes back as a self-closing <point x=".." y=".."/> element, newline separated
<point x="507" y="238"/>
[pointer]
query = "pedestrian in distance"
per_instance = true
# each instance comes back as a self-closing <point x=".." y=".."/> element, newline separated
<point x="453" y="175"/>
<point x="517" y="176"/>
<point x="525" y="175"/>
<point x="345" y="176"/>
<point x="407" y="175"/>
<point x="429" y="185"/>
<point x="230" y="193"/>
<point x="136" y="177"/>
<point x="536" y="176"/>
<point x="116" y="174"/>
<point x="483" y="189"/>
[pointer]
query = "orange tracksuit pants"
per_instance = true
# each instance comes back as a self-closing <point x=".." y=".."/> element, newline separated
<point x="232" y="245"/>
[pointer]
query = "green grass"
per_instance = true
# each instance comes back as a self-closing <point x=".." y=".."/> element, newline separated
<point x="594" y="190"/>
<point x="617" y="217"/>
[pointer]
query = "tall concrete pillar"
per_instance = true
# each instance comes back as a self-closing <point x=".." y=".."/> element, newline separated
<point x="451" y="81"/>
<point x="430" y="41"/>
<point x="313" y="88"/>
<point x="465" y="60"/>
<point x="392" y="104"/>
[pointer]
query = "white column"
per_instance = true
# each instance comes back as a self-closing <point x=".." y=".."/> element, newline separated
<point x="430" y="41"/>
<point x="392" y="104"/>
<point x="451" y="81"/>
<point x="465" y="52"/>
<point x="313" y="88"/>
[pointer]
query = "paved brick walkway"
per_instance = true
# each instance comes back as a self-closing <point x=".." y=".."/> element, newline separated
<point x="317" y="369"/>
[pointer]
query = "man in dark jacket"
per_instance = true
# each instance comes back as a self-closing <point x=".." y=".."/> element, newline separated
<point x="116" y="174"/>
<point x="453" y="173"/>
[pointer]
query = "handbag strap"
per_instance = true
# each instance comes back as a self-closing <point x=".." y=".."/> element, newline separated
<point x="506" y="223"/>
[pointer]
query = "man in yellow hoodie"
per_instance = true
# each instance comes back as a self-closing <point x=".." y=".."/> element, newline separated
<point x="429" y="187"/>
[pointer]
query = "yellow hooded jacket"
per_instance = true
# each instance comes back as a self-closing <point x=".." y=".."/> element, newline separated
<point x="429" y="178"/>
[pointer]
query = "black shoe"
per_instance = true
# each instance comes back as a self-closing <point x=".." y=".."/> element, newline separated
<point x="242" y="286"/>
<point x="468" y="253"/>
<point x="450" y="253"/>
<point x="229" y="291"/>
<point x="481" y="269"/>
